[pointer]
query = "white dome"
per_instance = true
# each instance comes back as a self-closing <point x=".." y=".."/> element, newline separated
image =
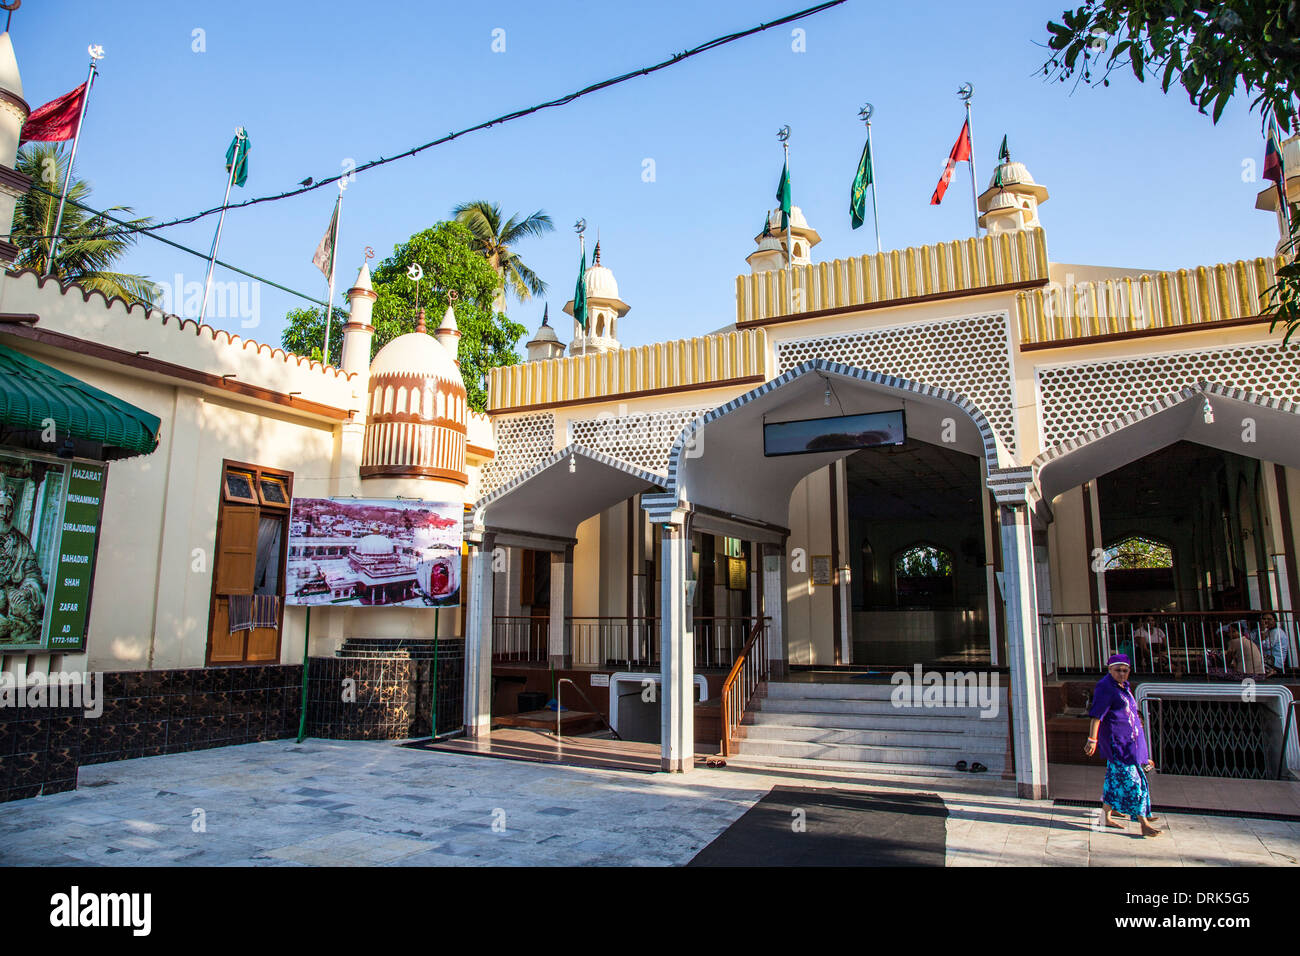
<point x="1002" y="201"/>
<point x="375" y="544"/>
<point x="600" y="283"/>
<point x="417" y="353"/>
<point x="1013" y="174"/>
<point x="544" y="334"/>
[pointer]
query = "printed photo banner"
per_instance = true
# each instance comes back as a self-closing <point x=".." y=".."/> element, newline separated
<point x="374" y="552"/>
<point x="50" y="512"/>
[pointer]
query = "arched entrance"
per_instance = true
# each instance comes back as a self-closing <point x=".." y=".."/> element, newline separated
<point x="722" y="470"/>
<point x="1171" y="539"/>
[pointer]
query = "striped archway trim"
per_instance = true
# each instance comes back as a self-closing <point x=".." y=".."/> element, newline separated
<point x="994" y="453"/>
<point x="555" y="458"/>
<point x="1190" y="393"/>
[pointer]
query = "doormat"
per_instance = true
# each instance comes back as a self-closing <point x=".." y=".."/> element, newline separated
<point x="806" y="826"/>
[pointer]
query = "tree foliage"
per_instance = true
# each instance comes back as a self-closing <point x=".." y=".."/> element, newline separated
<point x="1206" y="48"/>
<point x="496" y="240"/>
<point x="1212" y="51"/>
<point x="1138" y="552"/>
<point x="449" y="263"/>
<point x="924" y="561"/>
<point x="81" y="256"/>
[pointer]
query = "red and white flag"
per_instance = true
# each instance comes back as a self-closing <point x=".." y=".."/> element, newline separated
<point x="56" y="121"/>
<point x="960" y="154"/>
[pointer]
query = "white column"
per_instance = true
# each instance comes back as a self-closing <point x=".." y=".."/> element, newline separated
<point x="1024" y="652"/>
<point x="774" y="601"/>
<point x="560" y="650"/>
<point x="990" y="566"/>
<point x="478" y="641"/>
<point x="676" y="652"/>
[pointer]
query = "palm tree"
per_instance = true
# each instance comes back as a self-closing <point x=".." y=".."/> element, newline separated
<point x="82" y="256"/>
<point x="495" y="239"/>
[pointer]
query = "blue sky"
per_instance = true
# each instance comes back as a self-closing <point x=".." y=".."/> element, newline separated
<point x="1137" y="178"/>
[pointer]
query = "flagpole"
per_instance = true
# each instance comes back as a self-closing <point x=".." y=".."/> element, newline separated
<point x="334" y="249"/>
<point x="965" y="92"/>
<point x="96" y="54"/>
<point x="582" y="244"/>
<point x="216" y="239"/>
<point x="789" y="220"/>
<point x="871" y="153"/>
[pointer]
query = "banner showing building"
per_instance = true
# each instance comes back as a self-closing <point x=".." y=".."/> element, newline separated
<point x="49" y="533"/>
<point x="365" y="552"/>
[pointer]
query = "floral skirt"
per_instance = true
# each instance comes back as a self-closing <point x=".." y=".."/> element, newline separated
<point x="1125" y="790"/>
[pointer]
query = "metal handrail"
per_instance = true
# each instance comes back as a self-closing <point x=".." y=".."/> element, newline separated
<point x="1286" y="736"/>
<point x="1187" y="643"/>
<point x="559" y="707"/>
<point x="743" y="680"/>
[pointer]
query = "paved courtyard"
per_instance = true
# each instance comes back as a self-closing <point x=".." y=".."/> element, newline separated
<point x="375" y="803"/>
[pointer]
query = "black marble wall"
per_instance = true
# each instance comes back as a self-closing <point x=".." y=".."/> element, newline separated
<point x="39" y="750"/>
<point x="147" y="713"/>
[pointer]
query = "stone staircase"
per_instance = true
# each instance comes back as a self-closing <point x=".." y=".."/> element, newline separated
<point x="852" y="724"/>
<point x="393" y="648"/>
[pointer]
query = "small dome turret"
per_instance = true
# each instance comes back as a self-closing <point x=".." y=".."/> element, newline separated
<point x="1011" y="202"/>
<point x="545" y="344"/>
<point x="604" y="309"/>
<point x="417" y="411"/>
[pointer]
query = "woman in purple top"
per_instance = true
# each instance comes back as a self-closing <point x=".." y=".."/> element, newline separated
<point x="1116" y="731"/>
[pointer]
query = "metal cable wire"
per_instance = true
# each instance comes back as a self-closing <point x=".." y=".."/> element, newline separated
<point x="488" y="124"/>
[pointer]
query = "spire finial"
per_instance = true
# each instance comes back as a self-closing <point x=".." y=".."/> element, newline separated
<point x="419" y="322"/>
<point x="596" y="262"/>
<point x="546" y="314"/>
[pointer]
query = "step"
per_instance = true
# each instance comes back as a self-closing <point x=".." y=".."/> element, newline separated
<point x="855" y="706"/>
<point x="913" y="756"/>
<point x="906" y="774"/>
<point x="851" y="690"/>
<point x="892" y="720"/>
<point x="897" y="737"/>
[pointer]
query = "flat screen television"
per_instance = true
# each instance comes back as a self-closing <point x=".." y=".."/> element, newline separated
<point x="812" y="436"/>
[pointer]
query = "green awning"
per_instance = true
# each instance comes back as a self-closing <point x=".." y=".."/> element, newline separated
<point x="89" y="423"/>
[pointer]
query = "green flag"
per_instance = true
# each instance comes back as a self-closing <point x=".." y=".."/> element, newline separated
<point x="864" y="178"/>
<point x="767" y="226"/>
<point x="580" y="293"/>
<point x="237" y="155"/>
<point x="783" y="196"/>
<point x="1004" y="156"/>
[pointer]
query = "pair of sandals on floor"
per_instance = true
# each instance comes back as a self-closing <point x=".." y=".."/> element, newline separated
<point x="976" y="767"/>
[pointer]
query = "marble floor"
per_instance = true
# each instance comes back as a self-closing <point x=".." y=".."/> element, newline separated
<point x="358" y="803"/>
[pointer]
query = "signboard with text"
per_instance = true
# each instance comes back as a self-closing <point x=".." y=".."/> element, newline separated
<point x="50" y="511"/>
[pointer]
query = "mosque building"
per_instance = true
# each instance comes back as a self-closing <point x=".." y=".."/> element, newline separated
<point x="961" y="458"/>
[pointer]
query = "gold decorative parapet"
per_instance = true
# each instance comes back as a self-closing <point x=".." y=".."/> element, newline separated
<point x="917" y="272"/>
<point x="701" y="362"/>
<point x="1134" y="305"/>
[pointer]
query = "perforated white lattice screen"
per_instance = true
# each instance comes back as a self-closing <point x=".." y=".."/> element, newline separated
<point x="522" y="441"/>
<point x="1078" y="398"/>
<point x="968" y="355"/>
<point x="643" y="438"/>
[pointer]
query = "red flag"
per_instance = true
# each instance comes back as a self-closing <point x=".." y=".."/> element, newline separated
<point x="1273" y="167"/>
<point x="56" y="121"/>
<point x="960" y="154"/>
